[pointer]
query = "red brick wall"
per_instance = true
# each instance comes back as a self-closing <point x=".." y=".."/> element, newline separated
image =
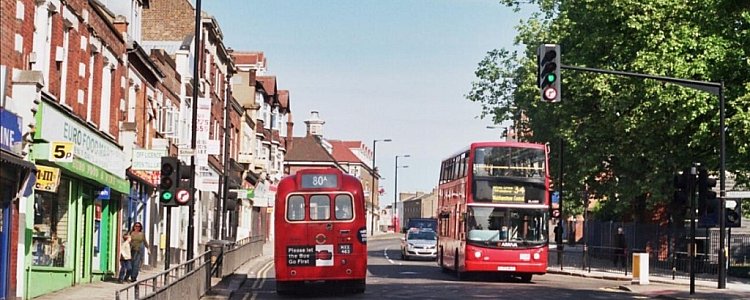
<point x="168" y="20"/>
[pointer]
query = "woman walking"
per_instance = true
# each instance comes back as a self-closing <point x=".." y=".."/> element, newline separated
<point x="125" y="259"/>
<point x="138" y="245"/>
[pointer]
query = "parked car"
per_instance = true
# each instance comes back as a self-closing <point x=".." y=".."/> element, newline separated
<point x="419" y="243"/>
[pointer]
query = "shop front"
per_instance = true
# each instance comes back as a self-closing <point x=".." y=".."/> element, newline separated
<point x="74" y="229"/>
<point x="14" y="175"/>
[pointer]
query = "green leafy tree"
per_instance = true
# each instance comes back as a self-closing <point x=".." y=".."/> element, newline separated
<point x="624" y="138"/>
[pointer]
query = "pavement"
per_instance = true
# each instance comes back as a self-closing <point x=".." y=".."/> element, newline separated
<point x="658" y="287"/>
<point x="98" y="290"/>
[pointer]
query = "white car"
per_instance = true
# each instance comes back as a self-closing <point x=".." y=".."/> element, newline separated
<point x="419" y="243"/>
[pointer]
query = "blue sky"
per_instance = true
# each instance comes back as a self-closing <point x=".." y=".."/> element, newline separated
<point x="378" y="69"/>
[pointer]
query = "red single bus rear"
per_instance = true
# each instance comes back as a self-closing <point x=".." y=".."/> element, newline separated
<point x="321" y="233"/>
<point x="494" y="209"/>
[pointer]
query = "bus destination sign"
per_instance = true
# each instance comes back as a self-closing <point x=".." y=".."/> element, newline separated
<point x="508" y="194"/>
<point x="319" y="181"/>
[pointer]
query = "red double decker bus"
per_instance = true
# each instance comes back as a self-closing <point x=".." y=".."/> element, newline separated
<point x="321" y="233"/>
<point x="494" y="209"/>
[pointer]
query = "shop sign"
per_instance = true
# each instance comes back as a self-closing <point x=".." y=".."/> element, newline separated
<point x="147" y="159"/>
<point x="203" y="128"/>
<point x="206" y="179"/>
<point x="10" y="131"/>
<point x="104" y="193"/>
<point x="54" y="125"/>
<point x="47" y="179"/>
<point x="61" y="152"/>
<point x="87" y="170"/>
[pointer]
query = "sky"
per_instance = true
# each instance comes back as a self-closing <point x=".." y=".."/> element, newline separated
<point x="379" y="69"/>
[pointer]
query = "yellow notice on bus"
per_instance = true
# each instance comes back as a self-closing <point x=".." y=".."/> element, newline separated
<point x="508" y="194"/>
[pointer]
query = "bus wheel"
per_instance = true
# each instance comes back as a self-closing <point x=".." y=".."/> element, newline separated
<point x="443" y="268"/>
<point x="526" y="277"/>
<point x="359" y="286"/>
<point x="283" y="288"/>
<point x="459" y="274"/>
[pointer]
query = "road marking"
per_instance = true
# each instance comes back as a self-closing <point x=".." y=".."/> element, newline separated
<point x="385" y="253"/>
<point x="408" y="273"/>
<point x="260" y="279"/>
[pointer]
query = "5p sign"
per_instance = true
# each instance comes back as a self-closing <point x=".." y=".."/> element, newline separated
<point x="61" y="151"/>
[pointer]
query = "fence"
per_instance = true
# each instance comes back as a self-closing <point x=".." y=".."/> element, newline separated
<point x="230" y="256"/>
<point x="189" y="280"/>
<point x="667" y="250"/>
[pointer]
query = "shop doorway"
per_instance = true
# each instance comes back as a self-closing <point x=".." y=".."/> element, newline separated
<point x="5" y="209"/>
<point x="85" y="230"/>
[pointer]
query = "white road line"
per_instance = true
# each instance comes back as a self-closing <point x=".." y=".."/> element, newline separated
<point x="260" y="279"/>
<point x="385" y="253"/>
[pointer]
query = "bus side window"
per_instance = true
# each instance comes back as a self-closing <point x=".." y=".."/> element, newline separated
<point x="295" y="208"/>
<point x="343" y="207"/>
<point x="320" y="207"/>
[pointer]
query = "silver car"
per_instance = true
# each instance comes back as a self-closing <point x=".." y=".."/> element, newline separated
<point x="419" y="243"/>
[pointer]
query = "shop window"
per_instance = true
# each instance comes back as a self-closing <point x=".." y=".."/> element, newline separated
<point x="50" y="233"/>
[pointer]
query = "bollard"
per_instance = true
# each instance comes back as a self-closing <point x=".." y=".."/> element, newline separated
<point x="640" y="268"/>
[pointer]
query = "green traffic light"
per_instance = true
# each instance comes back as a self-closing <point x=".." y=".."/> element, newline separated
<point x="166" y="196"/>
<point x="551" y="77"/>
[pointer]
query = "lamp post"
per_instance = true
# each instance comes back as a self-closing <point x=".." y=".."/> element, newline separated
<point x="506" y="130"/>
<point x="395" y="192"/>
<point x="372" y="191"/>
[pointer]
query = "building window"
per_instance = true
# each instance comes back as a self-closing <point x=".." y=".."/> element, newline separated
<point x="106" y="103"/>
<point x="50" y="233"/>
<point x="64" y="66"/>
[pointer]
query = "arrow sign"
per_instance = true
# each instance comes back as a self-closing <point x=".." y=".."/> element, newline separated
<point x="183" y="197"/>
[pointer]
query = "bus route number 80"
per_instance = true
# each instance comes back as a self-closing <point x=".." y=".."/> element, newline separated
<point x="319" y="181"/>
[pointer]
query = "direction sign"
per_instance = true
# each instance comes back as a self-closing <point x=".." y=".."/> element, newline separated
<point x="183" y="196"/>
<point x="185" y="152"/>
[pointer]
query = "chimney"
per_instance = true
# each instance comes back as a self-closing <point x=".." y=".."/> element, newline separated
<point x="121" y="24"/>
<point x="314" y="124"/>
<point x="289" y="132"/>
<point x="253" y="77"/>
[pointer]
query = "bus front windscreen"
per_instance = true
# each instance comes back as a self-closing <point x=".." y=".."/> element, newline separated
<point x="506" y="226"/>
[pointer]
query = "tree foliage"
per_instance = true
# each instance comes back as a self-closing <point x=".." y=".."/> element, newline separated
<point x="624" y="138"/>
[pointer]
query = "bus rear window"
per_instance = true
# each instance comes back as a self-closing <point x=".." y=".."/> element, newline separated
<point x="343" y="207"/>
<point x="295" y="208"/>
<point x="320" y="207"/>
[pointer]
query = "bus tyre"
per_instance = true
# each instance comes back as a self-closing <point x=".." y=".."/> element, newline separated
<point x="282" y="288"/>
<point x="360" y="286"/>
<point x="459" y="274"/>
<point x="441" y="262"/>
<point x="526" y="277"/>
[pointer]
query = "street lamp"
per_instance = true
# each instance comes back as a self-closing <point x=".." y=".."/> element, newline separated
<point x="372" y="191"/>
<point x="395" y="192"/>
<point x="506" y="130"/>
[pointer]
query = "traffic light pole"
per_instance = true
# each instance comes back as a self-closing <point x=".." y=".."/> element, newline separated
<point x="693" y="249"/>
<point x="714" y="88"/>
<point x="167" y="252"/>
<point x="194" y="132"/>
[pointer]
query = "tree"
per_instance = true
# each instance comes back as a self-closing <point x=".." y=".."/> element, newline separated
<point x="626" y="137"/>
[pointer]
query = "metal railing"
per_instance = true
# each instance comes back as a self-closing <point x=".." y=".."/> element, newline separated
<point x="228" y="256"/>
<point x="189" y="280"/>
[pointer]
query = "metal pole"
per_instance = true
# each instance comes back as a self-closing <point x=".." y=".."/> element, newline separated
<point x="395" y="196"/>
<point x="225" y="188"/>
<point x="194" y="135"/>
<point x="167" y="251"/>
<point x="693" y="248"/>
<point x="723" y="194"/>
<point x="561" y="245"/>
<point x="372" y="191"/>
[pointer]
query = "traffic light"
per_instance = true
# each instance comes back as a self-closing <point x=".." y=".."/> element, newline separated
<point x="733" y="213"/>
<point x="682" y="185"/>
<point x="548" y="56"/>
<point x="231" y="201"/>
<point x="170" y="167"/>
<point x="708" y="204"/>
<point x="184" y="194"/>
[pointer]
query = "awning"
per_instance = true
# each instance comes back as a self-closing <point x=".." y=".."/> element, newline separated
<point x="7" y="157"/>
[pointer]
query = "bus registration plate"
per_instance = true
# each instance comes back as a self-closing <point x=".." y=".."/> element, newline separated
<point x="506" y="268"/>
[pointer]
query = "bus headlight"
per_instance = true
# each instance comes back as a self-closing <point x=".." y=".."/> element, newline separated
<point x="537" y="256"/>
<point x="477" y="254"/>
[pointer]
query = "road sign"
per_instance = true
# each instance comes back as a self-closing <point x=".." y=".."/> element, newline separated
<point x="185" y="152"/>
<point x="183" y="196"/>
<point x="61" y="151"/>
